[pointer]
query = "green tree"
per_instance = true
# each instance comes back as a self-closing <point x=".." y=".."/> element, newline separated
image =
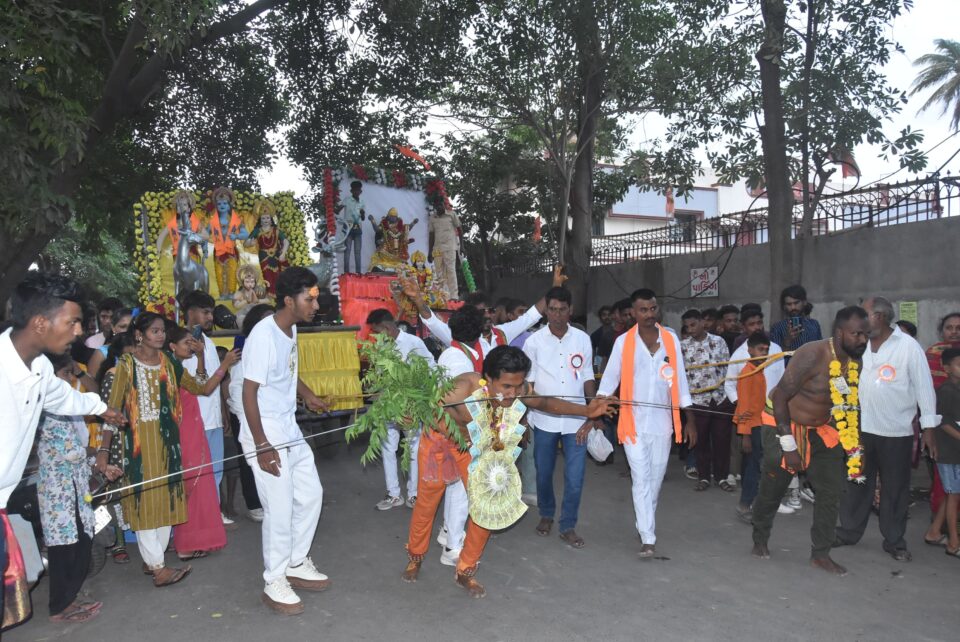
<point x="942" y="73"/>
<point x="98" y="260"/>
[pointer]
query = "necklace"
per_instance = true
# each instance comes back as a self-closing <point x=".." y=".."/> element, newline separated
<point x="844" y="396"/>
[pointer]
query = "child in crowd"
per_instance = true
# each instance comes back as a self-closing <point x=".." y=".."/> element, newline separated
<point x="751" y="400"/>
<point x="947" y="454"/>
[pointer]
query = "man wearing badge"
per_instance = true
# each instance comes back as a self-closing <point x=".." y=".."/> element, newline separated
<point x="896" y="379"/>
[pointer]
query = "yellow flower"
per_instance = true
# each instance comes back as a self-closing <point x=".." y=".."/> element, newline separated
<point x="838" y="414"/>
<point x="852" y="366"/>
<point x="835" y="369"/>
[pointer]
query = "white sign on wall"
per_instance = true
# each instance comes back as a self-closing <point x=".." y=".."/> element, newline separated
<point x="705" y="282"/>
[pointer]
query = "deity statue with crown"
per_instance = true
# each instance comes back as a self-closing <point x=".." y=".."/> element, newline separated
<point x="392" y="256"/>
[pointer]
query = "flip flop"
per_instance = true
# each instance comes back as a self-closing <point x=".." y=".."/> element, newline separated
<point x="935" y="542"/>
<point x="572" y="539"/>
<point x="702" y="485"/>
<point x="167" y="576"/>
<point x="75" y="614"/>
<point x="193" y="556"/>
<point x="953" y="553"/>
<point x="543" y="528"/>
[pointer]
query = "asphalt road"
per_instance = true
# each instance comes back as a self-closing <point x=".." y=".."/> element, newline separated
<point x="703" y="586"/>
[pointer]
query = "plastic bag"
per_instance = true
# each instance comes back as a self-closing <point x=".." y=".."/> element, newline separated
<point x="598" y="445"/>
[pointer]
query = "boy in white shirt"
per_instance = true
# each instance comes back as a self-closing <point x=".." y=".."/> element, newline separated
<point x="285" y="470"/>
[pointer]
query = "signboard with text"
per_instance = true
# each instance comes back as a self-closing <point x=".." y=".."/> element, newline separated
<point x="704" y="282"/>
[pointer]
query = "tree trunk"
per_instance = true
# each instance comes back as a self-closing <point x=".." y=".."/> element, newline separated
<point x="773" y="136"/>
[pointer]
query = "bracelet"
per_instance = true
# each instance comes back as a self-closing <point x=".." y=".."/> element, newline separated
<point x="788" y="444"/>
<point x="266" y="443"/>
<point x="103" y="450"/>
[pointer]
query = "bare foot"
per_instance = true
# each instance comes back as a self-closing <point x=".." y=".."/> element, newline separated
<point x="760" y="551"/>
<point x="411" y="572"/>
<point x="828" y="565"/>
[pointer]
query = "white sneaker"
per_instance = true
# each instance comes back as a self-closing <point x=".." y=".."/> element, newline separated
<point x="442" y="537"/>
<point x="280" y="597"/>
<point x="807" y="494"/>
<point x="389" y="502"/>
<point x="784" y="509"/>
<point x="226" y="520"/>
<point x="450" y="556"/>
<point x="306" y="576"/>
<point x="530" y="499"/>
<point x="411" y="501"/>
<point x="255" y="514"/>
<point x="793" y="499"/>
<point x="733" y="479"/>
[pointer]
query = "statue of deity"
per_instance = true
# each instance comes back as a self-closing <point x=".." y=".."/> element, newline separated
<point x="430" y="286"/>
<point x="187" y="236"/>
<point x="395" y="250"/>
<point x="251" y="291"/>
<point x="225" y="229"/>
<point x="271" y="243"/>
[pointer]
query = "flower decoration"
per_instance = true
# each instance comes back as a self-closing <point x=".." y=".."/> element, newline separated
<point x="846" y="413"/>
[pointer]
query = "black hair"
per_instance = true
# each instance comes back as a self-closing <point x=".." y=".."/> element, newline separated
<point x="505" y="302"/>
<point x="354" y="184"/>
<point x="175" y="332"/>
<point x="198" y="299"/>
<point x="117" y="346"/>
<point x="908" y="327"/>
<point x="946" y="318"/>
<point x="643" y="294"/>
<point x="604" y="308"/>
<point x="119" y="313"/>
<point x="466" y="324"/>
<point x="144" y="320"/>
<point x="60" y="361"/>
<point x="110" y="304"/>
<point x="946" y="356"/>
<point x="759" y="338"/>
<point x="691" y="314"/>
<point x="747" y="312"/>
<point x="847" y="313"/>
<point x="750" y="306"/>
<point x="728" y="309"/>
<point x="42" y="294"/>
<point x="477" y="298"/>
<point x="292" y="282"/>
<point x="378" y="316"/>
<point x="797" y="292"/>
<point x="255" y="315"/>
<point x="623" y="304"/>
<point x="559" y="294"/>
<point x="505" y="359"/>
<point x="710" y="313"/>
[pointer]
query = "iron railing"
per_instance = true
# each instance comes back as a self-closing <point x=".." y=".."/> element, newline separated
<point x="873" y="206"/>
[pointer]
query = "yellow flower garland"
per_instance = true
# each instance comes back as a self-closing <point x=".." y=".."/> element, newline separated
<point x="846" y="414"/>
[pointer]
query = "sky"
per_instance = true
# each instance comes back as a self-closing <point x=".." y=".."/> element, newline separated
<point x="915" y="31"/>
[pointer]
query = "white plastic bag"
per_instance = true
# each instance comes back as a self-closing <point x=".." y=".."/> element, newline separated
<point x="598" y="445"/>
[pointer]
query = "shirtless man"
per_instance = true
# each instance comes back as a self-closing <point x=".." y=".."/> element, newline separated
<point x="441" y="462"/>
<point x="802" y="411"/>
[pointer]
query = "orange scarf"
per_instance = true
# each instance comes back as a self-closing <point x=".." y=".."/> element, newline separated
<point x="626" y="427"/>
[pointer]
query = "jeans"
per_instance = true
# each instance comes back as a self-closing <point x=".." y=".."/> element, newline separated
<point x="574" y="458"/>
<point x="354" y="238"/>
<point x="215" y="441"/>
<point x="751" y="469"/>
<point x="527" y="466"/>
<point x="713" y="441"/>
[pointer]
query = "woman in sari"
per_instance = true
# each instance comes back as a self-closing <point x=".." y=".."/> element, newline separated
<point x="272" y="246"/>
<point x="147" y="386"/>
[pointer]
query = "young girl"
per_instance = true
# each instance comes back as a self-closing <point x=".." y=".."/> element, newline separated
<point x="203" y="531"/>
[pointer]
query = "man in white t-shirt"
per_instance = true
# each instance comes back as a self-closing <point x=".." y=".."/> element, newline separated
<point x="198" y="306"/>
<point x="381" y="322"/>
<point x="562" y="366"/>
<point x="285" y="470"/>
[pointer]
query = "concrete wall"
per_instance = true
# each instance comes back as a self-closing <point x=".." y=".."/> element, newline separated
<point x="908" y="262"/>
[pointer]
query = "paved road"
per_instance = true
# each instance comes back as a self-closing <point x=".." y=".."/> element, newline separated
<point x="705" y="586"/>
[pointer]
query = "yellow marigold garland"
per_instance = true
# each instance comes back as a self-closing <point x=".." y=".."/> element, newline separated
<point x="846" y="414"/>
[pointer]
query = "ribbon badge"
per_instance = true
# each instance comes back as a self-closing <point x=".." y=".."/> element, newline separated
<point x="887" y="373"/>
<point x="576" y="363"/>
<point x="666" y="373"/>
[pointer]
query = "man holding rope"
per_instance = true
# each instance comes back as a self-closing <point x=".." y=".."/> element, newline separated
<point x="286" y="477"/>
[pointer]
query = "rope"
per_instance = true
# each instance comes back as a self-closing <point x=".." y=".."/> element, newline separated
<point x="770" y="357"/>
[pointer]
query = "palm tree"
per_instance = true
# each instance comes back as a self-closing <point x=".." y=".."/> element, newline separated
<point x="941" y="70"/>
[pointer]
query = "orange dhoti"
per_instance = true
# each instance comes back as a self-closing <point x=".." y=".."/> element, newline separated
<point x="440" y="464"/>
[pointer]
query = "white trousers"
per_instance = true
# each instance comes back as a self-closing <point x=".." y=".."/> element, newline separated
<point x="291" y="509"/>
<point x="648" y="459"/>
<point x="153" y="544"/>
<point x="456" y="509"/>
<point x="388" y="452"/>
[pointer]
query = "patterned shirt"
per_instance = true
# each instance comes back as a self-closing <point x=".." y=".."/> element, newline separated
<point x="712" y="349"/>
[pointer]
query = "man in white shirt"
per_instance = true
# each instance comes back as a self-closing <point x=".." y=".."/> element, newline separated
<point x="381" y="322"/>
<point x="894" y="381"/>
<point x="492" y="335"/>
<point x="47" y="315"/>
<point x="198" y="307"/>
<point x="647" y="364"/>
<point x="285" y="470"/>
<point x="562" y="366"/>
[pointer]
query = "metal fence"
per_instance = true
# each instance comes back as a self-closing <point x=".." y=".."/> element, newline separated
<point x="877" y="205"/>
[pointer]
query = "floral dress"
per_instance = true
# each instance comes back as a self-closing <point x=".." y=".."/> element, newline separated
<point x="64" y="479"/>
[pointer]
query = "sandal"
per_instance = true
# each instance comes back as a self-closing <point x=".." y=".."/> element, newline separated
<point x="572" y="539"/>
<point x="543" y="528"/>
<point x="647" y="551"/>
<point x="727" y="486"/>
<point x="702" y="485"/>
<point x="166" y="576"/>
<point x="193" y="556"/>
<point x="954" y="553"/>
<point x="935" y="542"/>
<point x="76" y="613"/>
<point x="120" y="555"/>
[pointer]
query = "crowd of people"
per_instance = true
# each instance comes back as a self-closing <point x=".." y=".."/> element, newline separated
<point x="153" y="408"/>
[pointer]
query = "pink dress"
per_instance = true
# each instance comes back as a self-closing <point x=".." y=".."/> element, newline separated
<point x="203" y="530"/>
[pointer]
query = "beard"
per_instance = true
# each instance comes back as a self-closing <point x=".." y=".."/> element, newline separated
<point x="854" y="350"/>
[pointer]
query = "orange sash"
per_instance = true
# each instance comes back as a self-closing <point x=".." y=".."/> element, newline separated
<point x="499" y="338"/>
<point x="626" y="427"/>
